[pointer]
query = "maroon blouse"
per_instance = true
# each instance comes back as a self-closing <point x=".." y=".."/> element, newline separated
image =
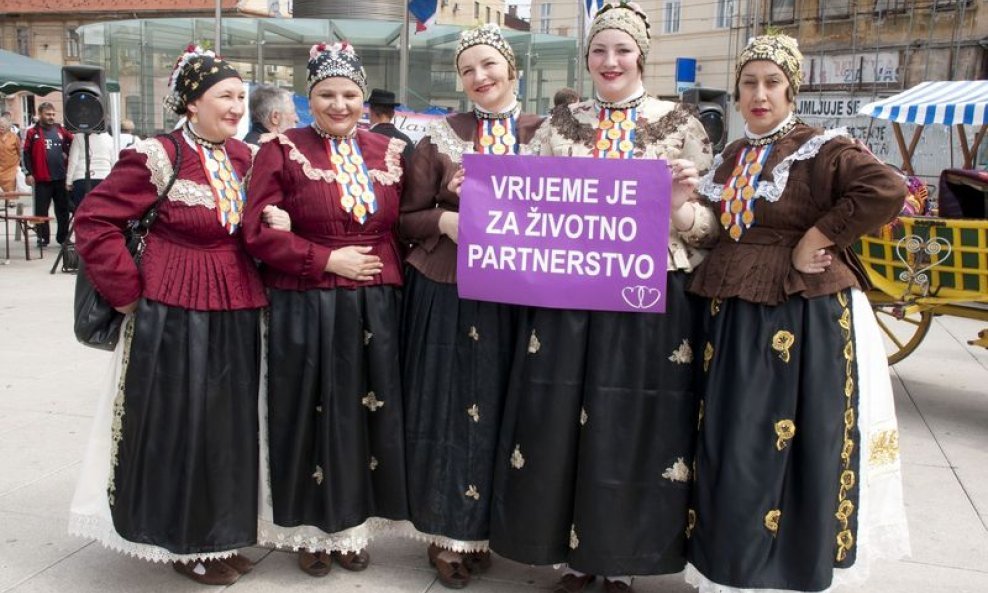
<point x="190" y="261"/>
<point x="292" y="171"/>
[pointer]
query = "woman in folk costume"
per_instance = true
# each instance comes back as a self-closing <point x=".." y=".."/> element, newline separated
<point x="797" y="473"/>
<point x="171" y="469"/>
<point x="331" y="400"/>
<point x="456" y="353"/>
<point x="597" y="441"/>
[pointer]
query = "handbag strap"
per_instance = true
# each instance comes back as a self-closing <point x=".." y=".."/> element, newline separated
<point x="144" y="225"/>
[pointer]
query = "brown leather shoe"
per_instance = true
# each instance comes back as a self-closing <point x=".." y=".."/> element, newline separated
<point x="316" y="564"/>
<point x="353" y="561"/>
<point x="571" y="583"/>
<point x="452" y="573"/>
<point x="477" y="562"/>
<point x="239" y="563"/>
<point x="617" y="587"/>
<point x="208" y="572"/>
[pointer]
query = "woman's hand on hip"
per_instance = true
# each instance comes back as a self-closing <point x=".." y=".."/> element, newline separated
<point x="355" y="263"/>
<point x="810" y="256"/>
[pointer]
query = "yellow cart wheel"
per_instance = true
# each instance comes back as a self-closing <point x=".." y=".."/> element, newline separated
<point x="903" y="327"/>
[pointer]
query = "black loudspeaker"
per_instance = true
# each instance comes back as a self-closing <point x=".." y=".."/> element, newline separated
<point x="712" y="105"/>
<point x="83" y="93"/>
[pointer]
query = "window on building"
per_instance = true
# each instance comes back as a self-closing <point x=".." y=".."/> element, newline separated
<point x="23" y="41"/>
<point x="886" y="6"/>
<point x="72" y="46"/>
<point x="499" y="17"/>
<point x="835" y="9"/>
<point x="783" y="11"/>
<point x="488" y="11"/>
<point x="670" y="16"/>
<point x="545" y="11"/>
<point x="949" y="4"/>
<point x="726" y="9"/>
<point x="476" y="10"/>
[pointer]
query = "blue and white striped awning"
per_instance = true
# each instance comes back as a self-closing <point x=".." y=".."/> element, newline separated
<point x="948" y="103"/>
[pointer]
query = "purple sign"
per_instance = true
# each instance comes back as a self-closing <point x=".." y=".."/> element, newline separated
<point x="564" y="232"/>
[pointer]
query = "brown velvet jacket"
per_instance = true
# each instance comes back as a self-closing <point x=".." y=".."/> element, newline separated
<point x="811" y="178"/>
<point x="435" y="160"/>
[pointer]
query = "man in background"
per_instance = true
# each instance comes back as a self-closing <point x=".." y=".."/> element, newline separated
<point x="381" y="104"/>
<point x="127" y="136"/>
<point x="272" y="111"/>
<point x="46" y="151"/>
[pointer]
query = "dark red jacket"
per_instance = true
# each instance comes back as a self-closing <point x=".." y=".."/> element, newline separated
<point x="35" y="153"/>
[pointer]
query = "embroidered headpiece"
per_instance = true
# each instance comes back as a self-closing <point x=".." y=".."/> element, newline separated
<point x="337" y="59"/>
<point x="489" y="34"/>
<point x="195" y="71"/>
<point x="623" y="16"/>
<point x="781" y="50"/>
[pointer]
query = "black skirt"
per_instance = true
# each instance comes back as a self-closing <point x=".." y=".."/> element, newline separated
<point x="597" y="441"/>
<point x="776" y="493"/>
<point x="336" y="442"/>
<point x="456" y="357"/>
<point x="184" y="454"/>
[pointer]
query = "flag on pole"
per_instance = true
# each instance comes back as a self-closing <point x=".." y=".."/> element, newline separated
<point x="590" y="10"/>
<point x="424" y="12"/>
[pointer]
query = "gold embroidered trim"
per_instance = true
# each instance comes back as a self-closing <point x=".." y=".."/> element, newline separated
<point x="683" y="354"/>
<point x="884" y="448"/>
<point x="373" y="404"/>
<point x="318" y="475"/>
<point x="708" y="355"/>
<point x="116" y="424"/>
<point x="848" y="479"/>
<point x="772" y="521"/>
<point x="785" y="430"/>
<point x="574" y="541"/>
<point x="677" y="472"/>
<point x="474" y="412"/>
<point x="714" y="306"/>
<point x="472" y="492"/>
<point x="690" y="522"/>
<point x="533" y="343"/>
<point x="473" y="334"/>
<point x="517" y="459"/>
<point x="782" y="341"/>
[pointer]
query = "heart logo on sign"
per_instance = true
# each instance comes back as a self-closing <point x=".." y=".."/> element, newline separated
<point x="641" y="297"/>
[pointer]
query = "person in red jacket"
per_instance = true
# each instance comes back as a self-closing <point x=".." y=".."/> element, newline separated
<point x="172" y="466"/>
<point x="46" y="156"/>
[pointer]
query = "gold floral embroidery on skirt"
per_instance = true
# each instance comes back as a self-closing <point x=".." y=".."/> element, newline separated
<point x="367" y="337"/>
<point x="708" y="355"/>
<point x="574" y="541"/>
<point x="699" y="416"/>
<point x="715" y="306"/>
<point x="848" y="478"/>
<point x="474" y="412"/>
<point x="845" y="541"/>
<point x="772" y="521"/>
<point x="517" y="459"/>
<point x="584" y="417"/>
<point x="533" y="343"/>
<point x="884" y="448"/>
<point x="690" y="522"/>
<point x="473" y="333"/>
<point x="373" y="463"/>
<point x="785" y="430"/>
<point x="318" y="475"/>
<point x="782" y="341"/>
<point x="472" y="492"/>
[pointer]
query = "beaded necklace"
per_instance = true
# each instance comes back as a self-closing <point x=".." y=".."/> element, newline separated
<point x="737" y="202"/>
<point x="352" y="177"/>
<point x="227" y="188"/>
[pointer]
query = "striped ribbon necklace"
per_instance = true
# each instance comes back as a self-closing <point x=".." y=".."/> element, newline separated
<point x="615" y="132"/>
<point x="352" y="177"/>
<point x="497" y="133"/>
<point x="228" y="190"/>
<point x="737" y="209"/>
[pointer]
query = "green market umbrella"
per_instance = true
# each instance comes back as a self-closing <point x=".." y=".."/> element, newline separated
<point x="21" y="73"/>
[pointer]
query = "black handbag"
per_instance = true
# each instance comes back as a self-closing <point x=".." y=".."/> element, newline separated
<point x="97" y="323"/>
